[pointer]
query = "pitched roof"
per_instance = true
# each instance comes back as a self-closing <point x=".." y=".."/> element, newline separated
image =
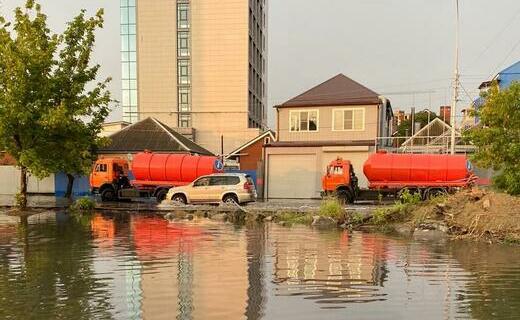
<point x="338" y="91"/>
<point x="151" y="134"/>
<point x="430" y="133"/>
<point x="237" y="151"/>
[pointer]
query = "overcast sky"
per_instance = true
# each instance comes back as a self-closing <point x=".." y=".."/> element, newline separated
<point x="395" y="47"/>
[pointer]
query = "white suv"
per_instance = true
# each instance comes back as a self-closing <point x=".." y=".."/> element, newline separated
<point x="216" y="188"/>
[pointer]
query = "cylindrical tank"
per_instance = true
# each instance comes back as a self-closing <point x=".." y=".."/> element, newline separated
<point x="416" y="169"/>
<point x="185" y="168"/>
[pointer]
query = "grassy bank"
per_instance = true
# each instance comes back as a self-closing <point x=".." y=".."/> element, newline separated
<point x="470" y="214"/>
<point x="474" y="214"/>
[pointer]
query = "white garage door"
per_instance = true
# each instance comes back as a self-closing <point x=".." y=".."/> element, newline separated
<point x="291" y="176"/>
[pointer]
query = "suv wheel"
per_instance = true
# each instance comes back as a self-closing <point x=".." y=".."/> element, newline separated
<point x="179" y="198"/>
<point x="230" y="199"/>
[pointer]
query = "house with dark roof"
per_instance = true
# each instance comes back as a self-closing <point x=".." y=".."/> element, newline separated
<point x="338" y="118"/>
<point x="153" y="135"/>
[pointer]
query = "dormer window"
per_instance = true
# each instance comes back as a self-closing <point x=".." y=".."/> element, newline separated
<point x="303" y="121"/>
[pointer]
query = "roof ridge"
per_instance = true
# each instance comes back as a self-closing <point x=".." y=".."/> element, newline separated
<point x="127" y="127"/>
<point x="162" y="125"/>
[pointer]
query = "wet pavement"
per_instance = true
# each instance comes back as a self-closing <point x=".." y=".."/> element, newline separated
<point x="42" y="201"/>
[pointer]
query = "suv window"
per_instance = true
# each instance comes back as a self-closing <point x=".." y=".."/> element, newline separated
<point x="202" y="182"/>
<point x="224" y="181"/>
<point x="217" y="181"/>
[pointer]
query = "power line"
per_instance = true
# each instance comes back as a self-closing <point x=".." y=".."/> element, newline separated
<point x="493" y="40"/>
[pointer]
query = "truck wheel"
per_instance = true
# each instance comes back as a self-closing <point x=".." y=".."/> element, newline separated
<point x="161" y="195"/>
<point x="345" y="196"/>
<point x="433" y="193"/>
<point x="179" y="198"/>
<point x="108" y="194"/>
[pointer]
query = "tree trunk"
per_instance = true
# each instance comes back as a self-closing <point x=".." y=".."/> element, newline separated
<point x="70" y="185"/>
<point x="21" y="199"/>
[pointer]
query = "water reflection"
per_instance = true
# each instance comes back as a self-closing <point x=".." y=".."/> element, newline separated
<point x="121" y="266"/>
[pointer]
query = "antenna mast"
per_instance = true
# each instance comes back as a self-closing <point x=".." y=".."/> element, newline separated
<point x="455" y="80"/>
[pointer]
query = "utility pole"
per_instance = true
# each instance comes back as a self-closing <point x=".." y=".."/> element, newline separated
<point x="455" y="80"/>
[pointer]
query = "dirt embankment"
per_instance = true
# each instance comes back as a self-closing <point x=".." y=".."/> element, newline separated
<point x="476" y="213"/>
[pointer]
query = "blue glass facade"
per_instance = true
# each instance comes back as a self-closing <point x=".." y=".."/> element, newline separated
<point x="129" y="60"/>
<point x="183" y="64"/>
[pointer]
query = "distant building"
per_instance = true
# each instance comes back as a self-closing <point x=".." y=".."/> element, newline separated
<point x="200" y="66"/>
<point x="112" y="127"/>
<point x="399" y="117"/>
<point x="503" y="79"/>
<point x="338" y="118"/>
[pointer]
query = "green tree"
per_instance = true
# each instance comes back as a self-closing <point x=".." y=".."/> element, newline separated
<point x="76" y="120"/>
<point x="404" y="129"/>
<point x="497" y="137"/>
<point x="26" y="62"/>
<point x="51" y="112"/>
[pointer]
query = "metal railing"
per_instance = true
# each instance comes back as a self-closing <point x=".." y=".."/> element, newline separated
<point x="423" y="144"/>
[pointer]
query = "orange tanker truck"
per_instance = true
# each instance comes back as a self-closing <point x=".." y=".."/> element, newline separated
<point x="153" y="174"/>
<point x="391" y="173"/>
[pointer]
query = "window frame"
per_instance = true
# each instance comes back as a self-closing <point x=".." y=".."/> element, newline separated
<point x="291" y="112"/>
<point x="353" y="109"/>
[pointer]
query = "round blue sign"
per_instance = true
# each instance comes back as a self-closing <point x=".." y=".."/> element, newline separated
<point x="219" y="165"/>
<point x="469" y="166"/>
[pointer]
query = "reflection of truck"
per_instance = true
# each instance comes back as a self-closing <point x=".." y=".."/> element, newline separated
<point x="390" y="173"/>
<point x="154" y="174"/>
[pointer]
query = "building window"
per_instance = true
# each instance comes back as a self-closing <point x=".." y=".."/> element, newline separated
<point x="184" y="71"/>
<point x="184" y="99"/>
<point x="185" y="120"/>
<point x="351" y="119"/>
<point x="303" y="120"/>
<point x="183" y="15"/>
<point x="183" y="44"/>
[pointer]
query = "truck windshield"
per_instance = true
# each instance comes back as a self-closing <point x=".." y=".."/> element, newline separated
<point x="336" y="170"/>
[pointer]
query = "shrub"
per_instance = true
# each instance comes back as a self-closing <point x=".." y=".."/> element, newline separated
<point x="84" y="204"/>
<point x="357" y="218"/>
<point x="331" y="208"/>
<point x="407" y="197"/>
<point x="380" y="216"/>
<point x="294" y="218"/>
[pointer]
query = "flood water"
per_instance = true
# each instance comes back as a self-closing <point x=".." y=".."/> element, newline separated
<point x="121" y="266"/>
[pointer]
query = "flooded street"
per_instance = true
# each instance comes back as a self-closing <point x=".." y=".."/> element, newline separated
<point x="121" y="266"/>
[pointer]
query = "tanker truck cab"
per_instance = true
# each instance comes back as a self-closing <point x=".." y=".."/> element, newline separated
<point x="106" y="175"/>
<point x="340" y="180"/>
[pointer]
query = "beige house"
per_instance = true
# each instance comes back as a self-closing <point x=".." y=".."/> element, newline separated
<point x="199" y="66"/>
<point x="338" y="118"/>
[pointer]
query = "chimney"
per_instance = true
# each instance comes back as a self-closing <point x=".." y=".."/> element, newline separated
<point x="445" y="114"/>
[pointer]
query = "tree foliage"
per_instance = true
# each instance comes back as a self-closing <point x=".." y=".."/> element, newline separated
<point x="497" y="136"/>
<point x="404" y="129"/>
<point x="50" y="111"/>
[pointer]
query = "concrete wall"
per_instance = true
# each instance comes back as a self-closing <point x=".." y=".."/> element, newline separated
<point x="10" y="177"/>
<point x="325" y="125"/>
<point x="157" y="59"/>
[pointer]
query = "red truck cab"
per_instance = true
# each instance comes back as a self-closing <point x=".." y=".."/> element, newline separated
<point x="340" y="180"/>
<point x="105" y="175"/>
